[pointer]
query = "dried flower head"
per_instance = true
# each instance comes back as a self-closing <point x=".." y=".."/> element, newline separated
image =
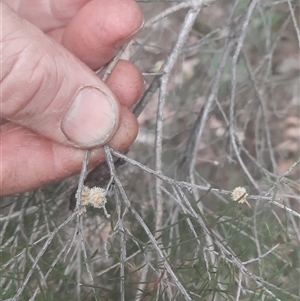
<point x="239" y="195"/>
<point x="81" y="211"/>
<point x="95" y="197"/>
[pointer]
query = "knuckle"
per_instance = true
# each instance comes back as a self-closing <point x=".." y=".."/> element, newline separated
<point x="25" y="71"/>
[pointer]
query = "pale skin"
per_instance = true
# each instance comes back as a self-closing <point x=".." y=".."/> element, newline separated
<point x="50" y="50"/>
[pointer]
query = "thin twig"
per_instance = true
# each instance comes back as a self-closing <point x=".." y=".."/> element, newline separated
<point x="164" y="79"/>
<point x="143" y="225"/>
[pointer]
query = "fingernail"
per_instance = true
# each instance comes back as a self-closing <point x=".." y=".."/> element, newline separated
<point x="128" y="38"/>
<point x="92" y="118"/>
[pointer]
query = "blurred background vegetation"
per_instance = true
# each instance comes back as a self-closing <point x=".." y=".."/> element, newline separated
<point x="225" y="113"/>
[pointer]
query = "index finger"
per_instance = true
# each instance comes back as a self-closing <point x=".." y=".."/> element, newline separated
<point x="47" y="14"/>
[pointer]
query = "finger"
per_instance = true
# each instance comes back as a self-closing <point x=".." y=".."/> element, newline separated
<point x="56" y="34"/>
<point x="46" y="14"/>
<point x="87" y="25"/>
<point x="29" y="160"/>
<point x="126" y="82"/>
<point x="100" y="28"/>
<point x="45" y="88"/>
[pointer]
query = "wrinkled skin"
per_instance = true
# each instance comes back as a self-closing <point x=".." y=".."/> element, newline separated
<point x="50" y="50"/>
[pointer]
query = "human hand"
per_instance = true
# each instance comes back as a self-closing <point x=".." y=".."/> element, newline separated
<point x="53" y="106"/>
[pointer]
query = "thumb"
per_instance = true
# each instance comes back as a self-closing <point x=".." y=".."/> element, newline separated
<point x="47" y="89"/>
